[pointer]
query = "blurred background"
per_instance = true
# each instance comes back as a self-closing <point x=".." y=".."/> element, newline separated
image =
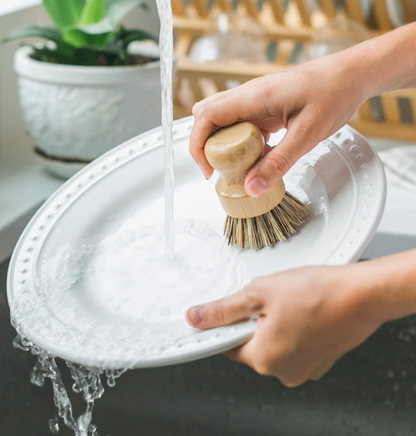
<point x="54" y="119"/>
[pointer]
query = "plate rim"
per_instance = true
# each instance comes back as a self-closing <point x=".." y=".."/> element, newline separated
<point x="214" y="347"/>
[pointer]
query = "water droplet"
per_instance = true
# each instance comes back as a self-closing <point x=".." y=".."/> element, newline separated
<point x="54" y="425"/>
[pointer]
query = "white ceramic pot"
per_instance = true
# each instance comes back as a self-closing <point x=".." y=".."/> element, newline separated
<point x="76" y="113"/>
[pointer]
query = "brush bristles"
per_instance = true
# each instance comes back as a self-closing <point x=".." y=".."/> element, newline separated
<point x="265" y="230"/>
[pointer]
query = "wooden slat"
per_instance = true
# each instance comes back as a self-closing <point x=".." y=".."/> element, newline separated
<point x="404" y="93"/>
<point x="365" y="111"/>
<point x="303" y="12"/>
<point x="228" y="71"/>
<point x="413" y="106"/>
<point x="273" y="32"/>
<point x="390" y="108"/>
<point x="328" y="8"/>
<point x="178" y="8"/>
<point x="354" y="10"/>
<point x="183" y="44"/>
<point x="404" y="132"/>
<point x="409" y="10"/>
<point x="381" y="15"/>
<point x="251" y="8"/>
<point x="276" y="9"/>
<point x="200" y="7"/>
<point x="176" y="88"/>
<point x="284" y="52"/>
<point x="196" y="88"/>
<point x="224" y="5"/>
<point x="208" y="87"/>
<point x="221" y="84"/>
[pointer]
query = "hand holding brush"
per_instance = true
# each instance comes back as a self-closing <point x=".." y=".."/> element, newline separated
<point x="252" y="222"/>
<point x="309" y="317"/>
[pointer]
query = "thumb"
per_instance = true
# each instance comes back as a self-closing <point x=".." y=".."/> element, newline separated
<point x="277" y="162"/>
<point x="237" y="307"/>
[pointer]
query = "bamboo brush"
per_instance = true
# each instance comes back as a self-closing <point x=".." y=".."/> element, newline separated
<point x="252" y="223"/>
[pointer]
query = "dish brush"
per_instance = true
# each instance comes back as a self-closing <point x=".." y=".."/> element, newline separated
<point x="252" y="223"/>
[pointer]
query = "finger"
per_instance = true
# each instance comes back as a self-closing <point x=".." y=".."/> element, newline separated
<point x="200" y="133"/>
<point x="275" y="164"/>
<point x="237" y="307"/>
<point x="321" y="371"/>
<point x="209" y="114"/>
<point x="244" y="103"/>
<point x="267" y="149"/>
<point x="260" y="352"/>
<point x="264" y="362"/>
<point x="243" y="354"/>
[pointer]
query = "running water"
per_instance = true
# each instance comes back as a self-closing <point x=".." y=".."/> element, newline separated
<point x="88" y="380"/>
<point x="166" y="70"/>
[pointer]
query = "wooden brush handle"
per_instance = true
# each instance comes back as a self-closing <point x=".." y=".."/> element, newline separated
<point x="233" y="151"/>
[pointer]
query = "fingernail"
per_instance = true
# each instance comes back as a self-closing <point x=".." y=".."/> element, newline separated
<point x="194" y="315"/>
<point x="206" y="175"/>
<point x="256" y="187"/>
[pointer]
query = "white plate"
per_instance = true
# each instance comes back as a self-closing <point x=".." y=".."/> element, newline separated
<point x="342" y="181"/>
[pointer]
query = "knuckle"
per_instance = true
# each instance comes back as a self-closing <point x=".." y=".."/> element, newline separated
<point x="199" y="109"/>
<point x="266" y="364"/>
<point x="293" y="381"/>
<point x="218" y="315"/>
<point x="252" y="299"/>
<point x="277" y="164"/>
<point x="263" y="367"/>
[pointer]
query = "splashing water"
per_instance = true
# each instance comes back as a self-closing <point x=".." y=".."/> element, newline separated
<point x="87" y="381"/>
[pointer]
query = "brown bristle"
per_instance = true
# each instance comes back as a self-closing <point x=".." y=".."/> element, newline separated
<point x="268" y="229"/>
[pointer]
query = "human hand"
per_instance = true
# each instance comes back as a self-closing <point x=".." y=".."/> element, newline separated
<point x="308" y="318"/>
<point x="311" y="101"/>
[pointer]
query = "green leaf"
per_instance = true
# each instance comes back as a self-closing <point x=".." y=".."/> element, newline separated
<point x="45" y="32"/>
<point x="79" y="39"/>
<point x="102" y="32"/>
<point x="115" y="11"/>
<point x="64" y="13"/>
<point x="136" y="35"/>
<point x="93" y="12"/>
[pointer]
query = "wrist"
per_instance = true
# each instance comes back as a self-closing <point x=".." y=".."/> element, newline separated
<point x="388" y="62"/>
<point x="361" y="291"/>
<point x="388" y="285"/>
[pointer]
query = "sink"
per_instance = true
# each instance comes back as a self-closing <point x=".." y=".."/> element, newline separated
<point x="371" y="391"/>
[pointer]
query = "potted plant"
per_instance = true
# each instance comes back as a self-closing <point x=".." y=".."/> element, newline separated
<point x="87" y="89"/>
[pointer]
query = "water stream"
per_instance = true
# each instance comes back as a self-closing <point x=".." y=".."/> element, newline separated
<point x="88" y="381"/>
<point x="166" y="75"/>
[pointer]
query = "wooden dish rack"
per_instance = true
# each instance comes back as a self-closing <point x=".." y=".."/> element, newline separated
<point x="288" y="23"/>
